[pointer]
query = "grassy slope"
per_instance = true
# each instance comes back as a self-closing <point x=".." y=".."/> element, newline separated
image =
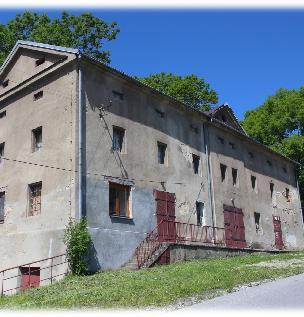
<point x="157" y="286"/>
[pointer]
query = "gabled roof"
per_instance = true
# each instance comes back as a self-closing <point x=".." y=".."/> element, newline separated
<point x="227" y="110"/>
<point x="38" y="45"/>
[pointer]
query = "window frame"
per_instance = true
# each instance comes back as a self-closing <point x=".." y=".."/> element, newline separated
<point x="128" y="199"/>
<point x="31" y="188"/>
<point x="164" y="161"/>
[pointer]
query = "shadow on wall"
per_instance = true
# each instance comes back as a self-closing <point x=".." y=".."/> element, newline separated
<point x="92" y="260"/>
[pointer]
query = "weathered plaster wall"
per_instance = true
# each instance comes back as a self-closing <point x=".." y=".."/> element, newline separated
<point x="113" y="239"/>
<point x="29" y="238"/>
<point x="259" y="200"/>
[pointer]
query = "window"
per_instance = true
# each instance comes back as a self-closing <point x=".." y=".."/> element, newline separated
<point x="119" y="140"/>
<point x="162" y="153"/>
<point x="35" y="199"/>
<point x="118" y="95"/>
<point x="119" y="204"/>
<point x="160" y="113"/>
<point x="37" y="139"/>
<point x="253" y="182"/>
<point x="284" y="169"/>
<point x="257" y="217"/>
<point x="200" y="213"/>
<point x="195" y="163"/>
<point x="2" y="199"/>
<point x="232" y="145"/>
<point x="194" y="129"/>
<point x="269" y="163"/>
<point x="251" y="155"/>
<point x="40" y="61"/>
<point x="234" y="177"/>
<point x="223" y="171"/>
<point x="38" y="95"/>
<point x="287" y="194"/>
<point x="271" y="186"/>
<point x="5" y="83"/>
<point x="221" y="140"/>
<point x="2" y="114"/>
<point x="1" y="151"/>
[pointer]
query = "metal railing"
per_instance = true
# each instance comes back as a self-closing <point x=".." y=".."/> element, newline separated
<point x="22" y="276"/>
<point x="177" y="232"/>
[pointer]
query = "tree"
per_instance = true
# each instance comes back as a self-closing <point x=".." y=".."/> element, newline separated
<point x="189" y="89"/>
<point x="279" y="123"/>
<point x="85" y="32"/>
<point x="78" y="242"/>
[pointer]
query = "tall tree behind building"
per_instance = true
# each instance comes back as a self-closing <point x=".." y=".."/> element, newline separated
<point x="85" y="32"/>
<point x="279" y="123"/>
<point x="190" y="89"/>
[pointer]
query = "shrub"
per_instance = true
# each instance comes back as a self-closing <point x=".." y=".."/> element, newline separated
<point x="78" y="241"/>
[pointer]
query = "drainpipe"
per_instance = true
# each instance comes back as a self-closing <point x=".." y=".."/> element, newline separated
<point x="80" y="134"/>
<point x="208" y="168"/>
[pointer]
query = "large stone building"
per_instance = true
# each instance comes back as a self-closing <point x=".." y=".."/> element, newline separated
<point x="79" y="138"/>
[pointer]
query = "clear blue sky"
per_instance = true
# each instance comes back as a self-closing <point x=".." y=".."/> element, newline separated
<point x="244" y="55"/>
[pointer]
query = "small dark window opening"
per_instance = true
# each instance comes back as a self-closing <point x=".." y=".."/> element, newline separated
<point x="161" y="152"/>
<point x="193" y="128"/>
<point x="1" y="151"/>
<point x="253" y="182"/>
<point x="232" y="145"/>
<point x="35" y="199"/>
<point x="38" y="95"/>
<point x="118" y="143"/>
<point x="269" y="163"/>
<point x="257" y="217"/>
<point x="284" y="169"/>
<point x="234" y="176"/>
<point x="2" y="114"/>
<point x="119" y="196"/>
<point x="223" y="171"/>
<point x="287" y="195"/>
<point x="5" y="83"/>
<point x="250" y="154"/>
<point x="2" y="200"/>
<point x="224" y="118"/>
<point x="40" y="61"/>
<point x="118" y="95"/>
<point x="195" y="163"/>
<point x="271" y="186"/>
<point x="37" y="139"/>
<point x="200" y="212"/>
<point x="160" y="113"/>
<point x="220" y="139"/>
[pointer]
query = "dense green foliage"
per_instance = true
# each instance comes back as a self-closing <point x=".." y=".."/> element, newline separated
<point x="279" y="123"/>
<point x="157" y="286"/>
<point x="189" y="89"/>
<point x="85" y="32"/>
<point x="78" y="241"/>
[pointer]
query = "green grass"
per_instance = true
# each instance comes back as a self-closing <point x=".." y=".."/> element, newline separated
<point x="158" y="286"/>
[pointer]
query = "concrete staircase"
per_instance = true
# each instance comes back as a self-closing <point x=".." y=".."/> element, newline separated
<point x="132" y="264"/>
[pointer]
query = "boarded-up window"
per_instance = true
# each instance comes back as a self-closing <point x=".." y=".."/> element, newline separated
<point x="35" y="199"/>
<point x="223" y="172"/>
<point x="162" y="153"/>
<point x="195" y="163"/>
<point x="2" y="199"/>
<point x="119" y="204"/>
<point x="119" y="140"/>
<point x="37" y="139"/>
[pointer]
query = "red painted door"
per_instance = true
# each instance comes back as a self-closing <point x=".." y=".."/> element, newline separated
<point x="30" y="277"/>
<point x="234" y="227"/>
<point x="278" y="239"/>
<point x="165" y="214"/>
